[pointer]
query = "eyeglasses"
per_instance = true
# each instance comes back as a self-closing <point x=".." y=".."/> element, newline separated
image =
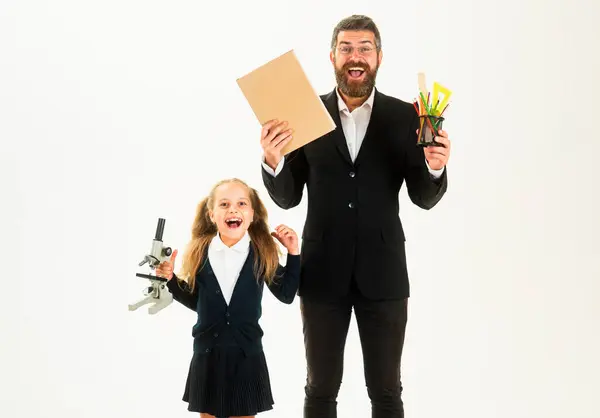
<point x="347" y="50"/>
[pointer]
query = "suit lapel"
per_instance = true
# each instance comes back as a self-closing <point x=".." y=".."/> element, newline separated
<point x="371" y="132"/>
<point x="338" y="134"/>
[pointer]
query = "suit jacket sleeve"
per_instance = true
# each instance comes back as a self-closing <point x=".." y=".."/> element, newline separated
<point x="287" y="280"/>
<point x="182" y="294"/>
<point x="424" y="190"/>
<point x="287" y="187"/>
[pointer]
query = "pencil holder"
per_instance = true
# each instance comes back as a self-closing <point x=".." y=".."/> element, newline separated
<point x="429" y="128"/>
<point x="430" y="108"/>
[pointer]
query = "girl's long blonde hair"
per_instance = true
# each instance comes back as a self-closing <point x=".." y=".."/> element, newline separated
<point x="266" y="250"/>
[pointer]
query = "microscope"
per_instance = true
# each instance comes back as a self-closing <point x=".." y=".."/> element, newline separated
<point x="157" y="293"/>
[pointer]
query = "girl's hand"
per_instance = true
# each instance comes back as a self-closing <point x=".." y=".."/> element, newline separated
<point x="288" y="238"/>
<point x="165" y="269"/>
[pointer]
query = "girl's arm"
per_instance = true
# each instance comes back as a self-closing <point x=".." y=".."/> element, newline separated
<point x="285" y="285"/>
<point x="181" y="292"/>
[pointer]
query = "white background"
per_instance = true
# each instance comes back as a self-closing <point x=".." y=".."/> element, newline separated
<point x="114" y="113"/>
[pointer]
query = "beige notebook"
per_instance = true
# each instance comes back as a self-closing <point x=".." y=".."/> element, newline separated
<point x="281" y="90"/>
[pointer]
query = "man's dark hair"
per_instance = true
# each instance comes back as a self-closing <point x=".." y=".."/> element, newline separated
<point x="356" y="23"/>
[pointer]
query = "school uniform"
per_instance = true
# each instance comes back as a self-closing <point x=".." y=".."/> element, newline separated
<point x="228" y="373"/>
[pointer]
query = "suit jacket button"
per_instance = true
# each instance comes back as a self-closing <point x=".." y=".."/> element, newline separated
<point x="352" y="174"/>
<point x="350" y="205"/>
<point x="207" y="350"/>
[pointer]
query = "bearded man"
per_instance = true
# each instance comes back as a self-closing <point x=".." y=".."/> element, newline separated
<point x="353" y="242"/>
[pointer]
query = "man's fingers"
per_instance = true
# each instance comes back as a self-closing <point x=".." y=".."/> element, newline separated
<point x="274" y="131"/>
<point x="436" y="158"/>
<point x="436" y="151"/>
<point x="443" y="140"/>
<point x="266" y="130"/>
<point x="279" y="143"/>
<point x="267" y="126"/>
<point x="277" y="140"/>
<point x="429" y="154"/>
<point x="279" y="137"/>
<point x="434" y="163"/>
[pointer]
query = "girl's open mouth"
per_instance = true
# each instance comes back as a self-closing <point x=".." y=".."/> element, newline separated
<point x="233" y="223"/>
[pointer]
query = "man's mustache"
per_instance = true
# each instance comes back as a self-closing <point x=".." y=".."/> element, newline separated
<point x="349" y="65"/>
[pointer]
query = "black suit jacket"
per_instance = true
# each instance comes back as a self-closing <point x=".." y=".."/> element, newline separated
<point x="353" y="228"/>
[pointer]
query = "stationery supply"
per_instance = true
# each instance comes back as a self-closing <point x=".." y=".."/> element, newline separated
<point x="430" y="108"/>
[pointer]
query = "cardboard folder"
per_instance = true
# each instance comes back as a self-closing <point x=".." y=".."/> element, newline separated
<point x="281" y="90"/>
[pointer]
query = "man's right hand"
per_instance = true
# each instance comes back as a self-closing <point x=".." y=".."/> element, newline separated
<point x="273" y="138"/>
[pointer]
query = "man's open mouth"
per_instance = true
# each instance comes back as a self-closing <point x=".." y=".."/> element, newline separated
<point x="233" y="223"/>
<point x="356" y="72"/>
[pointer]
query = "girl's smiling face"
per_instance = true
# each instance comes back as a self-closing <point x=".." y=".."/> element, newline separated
<point x="232" y="212"/>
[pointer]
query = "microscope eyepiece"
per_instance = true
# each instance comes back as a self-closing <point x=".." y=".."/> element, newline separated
<point x="160" y="227"/>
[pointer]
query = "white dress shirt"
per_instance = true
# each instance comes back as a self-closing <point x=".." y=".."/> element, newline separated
<point x="227" y="262"/>
<point x="354" y="126"/>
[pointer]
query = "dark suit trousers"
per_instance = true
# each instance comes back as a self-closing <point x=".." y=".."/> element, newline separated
<point x="381" y="326"/>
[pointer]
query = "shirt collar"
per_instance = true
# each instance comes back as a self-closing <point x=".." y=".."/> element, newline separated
<point x="241" y="246"/>
<point x="342" y="105"/>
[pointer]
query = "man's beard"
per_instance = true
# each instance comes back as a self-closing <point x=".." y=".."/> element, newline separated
<point x="353" y="88"/>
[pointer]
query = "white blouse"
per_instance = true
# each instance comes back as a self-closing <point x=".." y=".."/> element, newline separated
<point x="227" y="262"/>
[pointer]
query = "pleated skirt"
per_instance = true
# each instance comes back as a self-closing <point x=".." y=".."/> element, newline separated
<point x="225" y="383"/>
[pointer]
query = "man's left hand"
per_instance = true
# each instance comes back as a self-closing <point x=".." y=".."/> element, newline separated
<point x="437" y="157"/>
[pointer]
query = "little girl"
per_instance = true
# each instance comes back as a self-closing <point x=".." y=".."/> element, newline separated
<point x="232" y="254"/>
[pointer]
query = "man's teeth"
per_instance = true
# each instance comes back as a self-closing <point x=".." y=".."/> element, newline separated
<point x="356" y="69"/>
